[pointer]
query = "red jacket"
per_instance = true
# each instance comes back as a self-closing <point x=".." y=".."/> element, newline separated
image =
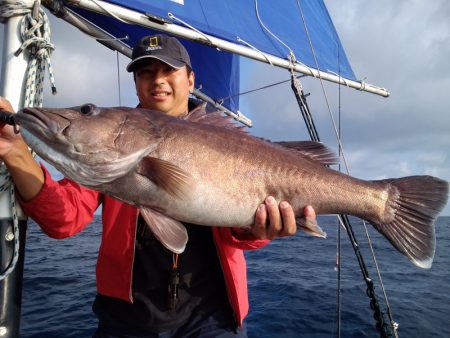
<point x="64" y="208"/>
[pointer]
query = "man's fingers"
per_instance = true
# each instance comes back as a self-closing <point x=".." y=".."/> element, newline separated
<point x="309" y="212"/>
<point x="277" y="220"/>
<point x="259" y="228"/>
<point x="5" y="105"/>
<point x="275" y="224"/>
<point x="288" y="217"/>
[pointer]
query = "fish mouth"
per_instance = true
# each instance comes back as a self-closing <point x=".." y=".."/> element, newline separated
<point x="41" y="121"/>
<point x="34" y="116"/>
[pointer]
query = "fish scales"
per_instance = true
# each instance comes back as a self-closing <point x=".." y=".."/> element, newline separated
<point x="202" y="169"/>
<point x="227" y="163"/>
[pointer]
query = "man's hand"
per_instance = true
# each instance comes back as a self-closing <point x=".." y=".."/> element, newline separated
<point x="26" y="173"/>
<point x="274" y="220"/>
<point x="8" y="138"/>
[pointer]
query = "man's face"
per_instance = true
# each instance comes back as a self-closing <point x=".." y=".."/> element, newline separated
<point x="161" y="87"/>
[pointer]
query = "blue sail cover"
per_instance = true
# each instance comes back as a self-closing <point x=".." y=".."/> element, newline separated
<point x="217" y="72"/>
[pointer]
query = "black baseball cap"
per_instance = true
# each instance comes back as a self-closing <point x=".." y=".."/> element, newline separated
<point x="161" y="47"/>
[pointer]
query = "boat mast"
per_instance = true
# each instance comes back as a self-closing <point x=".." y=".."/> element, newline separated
<point x="12" y="83"/>
<point x="13" y="67"/>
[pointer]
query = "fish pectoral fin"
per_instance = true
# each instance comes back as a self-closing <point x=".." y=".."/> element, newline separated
<point x="310" y="226"/>
<point x="165" y="175"/>
<point x="171" y="233"/>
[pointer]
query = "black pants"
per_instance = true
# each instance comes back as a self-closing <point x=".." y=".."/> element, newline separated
<point x="214" y="326"/>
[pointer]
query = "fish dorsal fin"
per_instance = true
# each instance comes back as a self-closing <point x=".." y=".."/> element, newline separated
<point x="315" y="151"/>
<point x="171" y="233"/>
<point x="198" y="113"/>
<point x="165" y="175"/>
<point x="216" y="118"/>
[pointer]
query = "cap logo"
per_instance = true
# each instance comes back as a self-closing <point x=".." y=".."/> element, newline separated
<point x="164" y="48"/>
<point x="153" y="44"/>
<point x="153" y="41"/>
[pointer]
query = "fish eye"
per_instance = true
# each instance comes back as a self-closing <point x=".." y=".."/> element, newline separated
<point x="86" y="109"/>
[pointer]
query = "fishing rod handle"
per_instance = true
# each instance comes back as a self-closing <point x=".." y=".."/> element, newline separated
<point x="7" y="117"/>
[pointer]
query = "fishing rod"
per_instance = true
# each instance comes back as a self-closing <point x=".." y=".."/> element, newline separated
<point x="382" y="326"/>
<point x="8" y="118"/>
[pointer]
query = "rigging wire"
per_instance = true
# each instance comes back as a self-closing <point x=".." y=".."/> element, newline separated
<point x="344" y="218"/>
<point x="314" y="135"/>
<point x="257" y="89"/>
<point x="338" y="242"/>
<point x="309" y="122"/>
<point x="118" y="78"/>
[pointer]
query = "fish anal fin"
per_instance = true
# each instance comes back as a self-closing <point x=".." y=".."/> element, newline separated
<point x="165" y="175"/>
<point x="315" y="151"/>
<point x="171" y="233"/>
<point x="310" y="226"/>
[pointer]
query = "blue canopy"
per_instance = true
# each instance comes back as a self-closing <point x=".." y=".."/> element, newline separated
<point x="217" y="72"/>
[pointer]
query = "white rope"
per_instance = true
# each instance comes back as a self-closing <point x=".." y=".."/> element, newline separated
<point x="291" y="56"/>
<point x="268" y="30"/>
<point x="173" y="17"/>
<point x="343" y="79"/>
<point x="254" y="48"/>
<point x="110" y="13"/>
<point x="35" y="36"/>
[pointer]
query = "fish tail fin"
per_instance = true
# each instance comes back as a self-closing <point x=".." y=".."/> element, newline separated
<point x="408" y="223"/>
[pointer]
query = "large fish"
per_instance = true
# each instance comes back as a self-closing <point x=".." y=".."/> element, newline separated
<point x="203" y="169"/>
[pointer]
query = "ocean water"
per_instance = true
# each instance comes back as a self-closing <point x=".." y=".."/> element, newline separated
<point x="292" y="286"/>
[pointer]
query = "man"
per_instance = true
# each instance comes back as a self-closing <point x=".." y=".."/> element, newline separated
<point x="143" y="289"/>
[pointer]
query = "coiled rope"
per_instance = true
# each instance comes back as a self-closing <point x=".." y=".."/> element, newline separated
<point x="35" y="37"/>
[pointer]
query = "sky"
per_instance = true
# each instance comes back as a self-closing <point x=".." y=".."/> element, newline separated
<point x="401" y="45"/>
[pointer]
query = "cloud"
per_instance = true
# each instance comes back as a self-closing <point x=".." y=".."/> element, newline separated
<point x="85" y="71"/>
<point x="402" y="45"/>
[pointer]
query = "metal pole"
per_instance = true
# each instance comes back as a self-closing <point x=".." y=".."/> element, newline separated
<point x="141" y="19"/>
<point x="12" y="85"/>
<point x="13" y="67"/>
<point x="114" y="44"/>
